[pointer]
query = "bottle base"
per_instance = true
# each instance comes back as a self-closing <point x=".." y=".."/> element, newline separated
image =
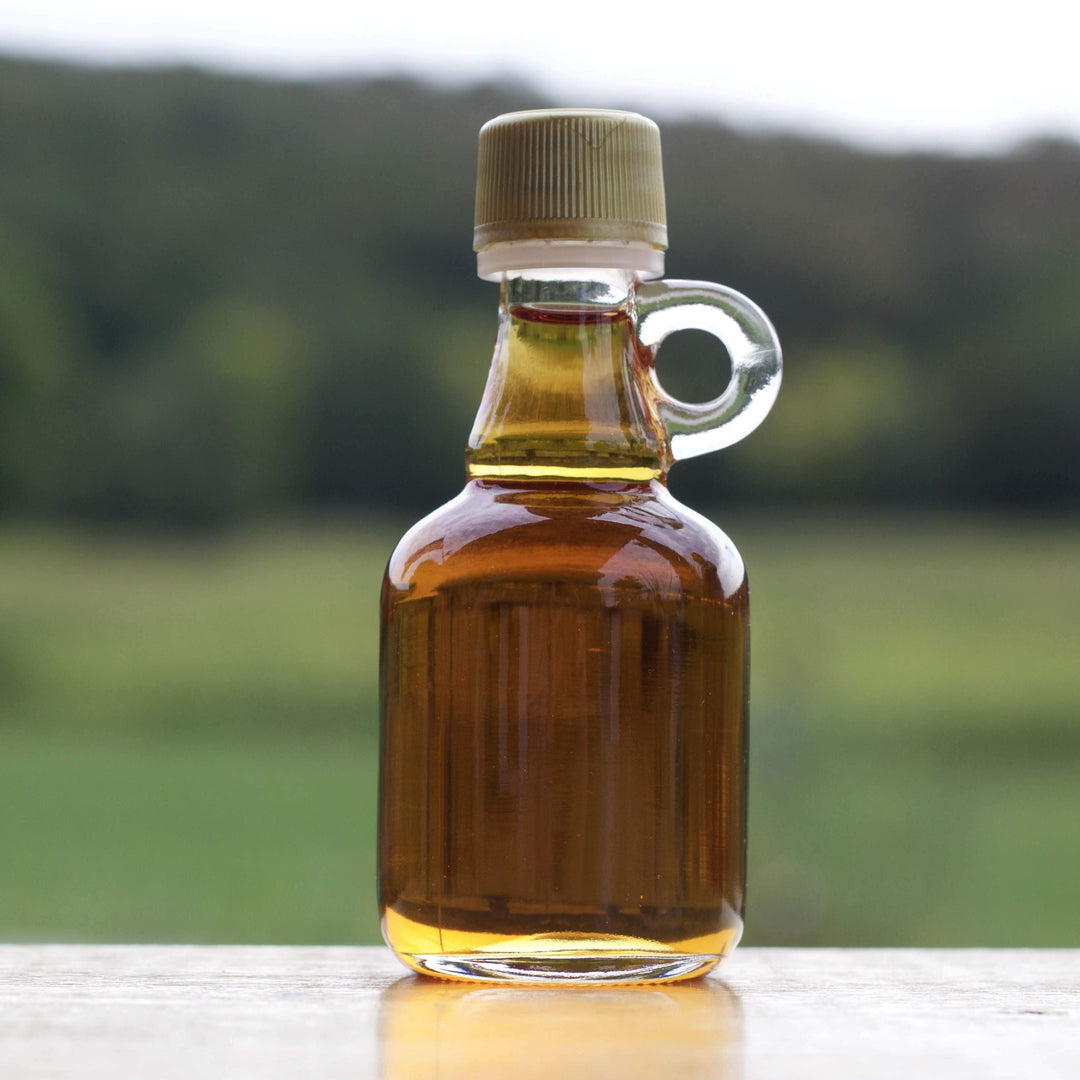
<point x="583" y="968"/>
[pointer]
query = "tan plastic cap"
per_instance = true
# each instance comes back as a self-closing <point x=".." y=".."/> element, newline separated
<point x="570" y="174"/>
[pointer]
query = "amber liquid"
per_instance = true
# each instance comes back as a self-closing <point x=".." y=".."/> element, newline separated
<point x="564" y="740"/>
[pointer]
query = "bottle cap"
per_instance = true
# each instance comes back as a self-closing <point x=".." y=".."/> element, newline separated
<point x="586" y="186"/>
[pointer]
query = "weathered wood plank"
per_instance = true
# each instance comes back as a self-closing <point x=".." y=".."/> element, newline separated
<point x="238" y="1012"/>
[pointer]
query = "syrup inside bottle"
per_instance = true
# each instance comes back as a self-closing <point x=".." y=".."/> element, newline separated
<point x="564" y="684"/>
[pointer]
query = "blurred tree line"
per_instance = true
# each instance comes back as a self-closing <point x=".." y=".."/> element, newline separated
<point x="222" y="297"/>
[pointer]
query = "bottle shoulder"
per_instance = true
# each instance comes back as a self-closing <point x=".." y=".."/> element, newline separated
<point x="625" y="536"/>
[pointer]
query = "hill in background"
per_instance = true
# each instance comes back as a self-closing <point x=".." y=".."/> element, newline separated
<point x="221" y="297"/>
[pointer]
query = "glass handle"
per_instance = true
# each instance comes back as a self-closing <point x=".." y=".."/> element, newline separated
<point x="663" y="307"/>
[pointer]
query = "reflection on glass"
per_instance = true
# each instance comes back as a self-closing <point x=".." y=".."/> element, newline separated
<point x="474" y="1032"/>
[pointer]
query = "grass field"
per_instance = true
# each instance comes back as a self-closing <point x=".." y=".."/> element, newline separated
<point x="187" y="734"/>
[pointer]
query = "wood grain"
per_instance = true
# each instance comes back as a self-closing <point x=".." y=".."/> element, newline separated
<point x="238" y="1012"/>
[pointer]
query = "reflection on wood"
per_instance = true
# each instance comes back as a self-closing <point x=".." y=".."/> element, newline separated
<point x="455" y="1031"/>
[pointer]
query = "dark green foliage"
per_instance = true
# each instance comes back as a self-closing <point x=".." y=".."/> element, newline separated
<point x="221" y="297"/>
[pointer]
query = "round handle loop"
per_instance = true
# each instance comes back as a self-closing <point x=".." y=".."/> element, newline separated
<point x="662" y="308"/>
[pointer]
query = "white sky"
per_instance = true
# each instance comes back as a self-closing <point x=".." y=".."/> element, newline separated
<point x="949" y="74"/>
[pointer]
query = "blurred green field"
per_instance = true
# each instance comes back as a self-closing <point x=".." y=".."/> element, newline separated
<point x="187" y="733"/>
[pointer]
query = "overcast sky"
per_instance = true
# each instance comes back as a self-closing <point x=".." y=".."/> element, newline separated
<point x="946" y="74"/>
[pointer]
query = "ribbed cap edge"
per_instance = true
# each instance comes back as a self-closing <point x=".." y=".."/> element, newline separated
<point x="570" y="174"/>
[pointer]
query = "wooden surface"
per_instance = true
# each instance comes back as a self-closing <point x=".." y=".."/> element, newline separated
<point x="141" y="1011"/>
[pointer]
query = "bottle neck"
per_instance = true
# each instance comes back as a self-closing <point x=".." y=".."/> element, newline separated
<point x="569" y="395"/>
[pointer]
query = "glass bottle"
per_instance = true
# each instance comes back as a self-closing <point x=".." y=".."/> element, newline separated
<point x="564" y="645"/>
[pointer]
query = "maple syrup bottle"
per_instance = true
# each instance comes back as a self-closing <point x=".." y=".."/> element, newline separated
<point x="564" y="645"/>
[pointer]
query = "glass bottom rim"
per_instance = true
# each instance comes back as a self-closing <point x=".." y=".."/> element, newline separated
<point x="584" y="968"/>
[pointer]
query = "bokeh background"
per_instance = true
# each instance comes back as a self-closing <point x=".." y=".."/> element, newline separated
<point x="241" y="343"/>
